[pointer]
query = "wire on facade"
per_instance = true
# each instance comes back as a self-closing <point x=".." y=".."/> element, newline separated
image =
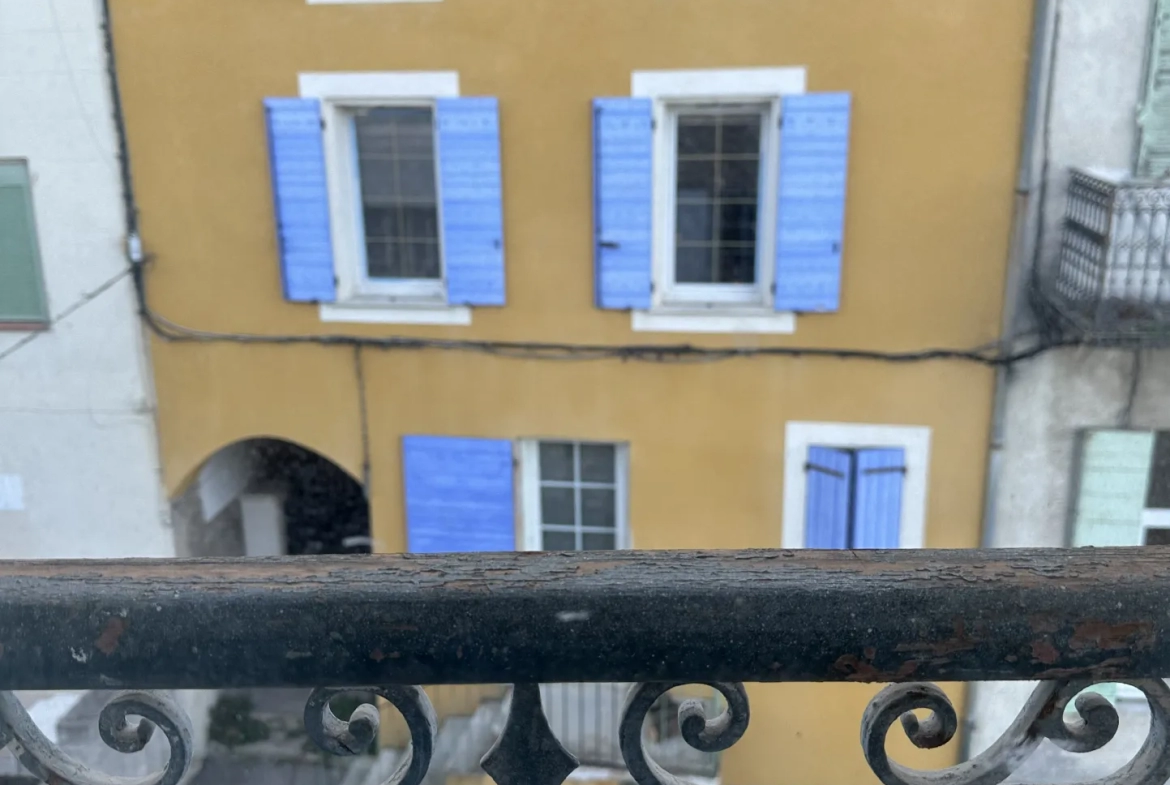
<point x="992" y="355"/>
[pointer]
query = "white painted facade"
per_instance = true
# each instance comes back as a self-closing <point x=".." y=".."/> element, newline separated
<point x="78" y="450"/>
<point x="1097" y="72"/>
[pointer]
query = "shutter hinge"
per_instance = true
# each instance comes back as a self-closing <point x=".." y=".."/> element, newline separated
<point x="653" y="124"/>
<point x="773" y="288"/>
<point x="780" y="122"/>
<point x="812" y="467"/>
<point x="322" y="123"/>
<point x="651" y="286"/>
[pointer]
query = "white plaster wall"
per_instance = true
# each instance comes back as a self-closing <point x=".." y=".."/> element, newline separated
<point x="76" y="408"/>
<point x="1098" y="77"/>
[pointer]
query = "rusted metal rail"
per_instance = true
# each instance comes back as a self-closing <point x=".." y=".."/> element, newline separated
<point x="386" y="623"/>
<point x="625" y="616"/>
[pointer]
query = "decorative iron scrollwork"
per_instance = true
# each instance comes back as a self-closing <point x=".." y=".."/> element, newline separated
<point x="355" y="735"/>
<point x="47" y="762"/>
<point x="706" y="735"/>
<point x="1043" y="717"/>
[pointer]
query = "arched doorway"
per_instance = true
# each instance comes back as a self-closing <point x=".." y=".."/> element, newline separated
<point x="271" y="497"/>
<point x="265" y="497"/>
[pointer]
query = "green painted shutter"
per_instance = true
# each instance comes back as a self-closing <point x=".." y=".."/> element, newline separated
<point x="1154" y="117"/>
<point x="22" y="295"/>
<point x="1115" y="471"/>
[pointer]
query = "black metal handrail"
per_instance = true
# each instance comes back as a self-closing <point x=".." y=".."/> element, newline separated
<point x="385" y="623"/>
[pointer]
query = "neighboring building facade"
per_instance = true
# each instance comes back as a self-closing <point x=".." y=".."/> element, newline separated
<point x="1083" y="454"/>
<point x="596" y="174"/>
<point x="79" y="466"/>
<point x="79" y="471"/>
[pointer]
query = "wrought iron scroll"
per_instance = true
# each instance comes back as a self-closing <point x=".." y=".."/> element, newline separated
<point x="706" y="735"/>
<point x="355" y="735"/>
<point x="1043" y="717"/>
<point x="47" y="762"/>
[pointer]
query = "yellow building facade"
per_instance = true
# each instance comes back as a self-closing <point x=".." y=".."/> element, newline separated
<point x="711" y="453"/>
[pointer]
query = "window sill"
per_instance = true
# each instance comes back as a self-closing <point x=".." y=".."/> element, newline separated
<point x="723" y="321"/>
<point x="368" y="313"/>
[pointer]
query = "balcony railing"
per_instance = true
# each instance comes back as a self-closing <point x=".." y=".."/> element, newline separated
<point x="1111" y="280"/>
<point x="382" y="624"/>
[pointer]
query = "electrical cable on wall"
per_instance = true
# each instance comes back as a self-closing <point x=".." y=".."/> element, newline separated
<point x="991" y="355"/>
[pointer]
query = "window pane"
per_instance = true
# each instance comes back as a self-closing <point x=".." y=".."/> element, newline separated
<point x="598" y="542"/>
<point x="419" y="259"/>
<point x="693" y="222"/>
<point x="1158" y="493"/>
<point x="597" y="507"/>
<point x="737" y="265"/>
<point x="693" y="264"/>
<point x="742" y="135"/>
<point x="379" y="223"/>
<point x="418" y="223"/>
<point x="597" y="462"/>
<point x="382" y="258"/>
<point x="556" y="461"/>
<point x="396" y="162"/>
<point x="737" y="224"/>
<point x="417" y="181"/>
<point x="557" y="506"/>
<point x="739" y="178"/>
<point x="717" y="196"/>
<point x="696" y="179"/>
<point x="696" y="135"/>
<point x="559" y="541"/>
<point x="21" y="292"/>
<point x="1157" y="536"/>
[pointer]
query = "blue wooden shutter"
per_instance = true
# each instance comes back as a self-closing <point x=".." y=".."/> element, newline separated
<point x="297" y="157"/>
<point x="623" y="194"/>
<point x="826" y="512"/>
<point x="472" y="199"/>
<point x="459" y="495"/>
<point x="877" y="503"/>
<point x="814" y="159"/>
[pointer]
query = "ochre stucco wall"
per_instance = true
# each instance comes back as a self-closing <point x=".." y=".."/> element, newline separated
<point x="938" y="94"/>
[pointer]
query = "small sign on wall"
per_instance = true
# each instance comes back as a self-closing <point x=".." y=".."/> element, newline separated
<point x="11" y="493"/>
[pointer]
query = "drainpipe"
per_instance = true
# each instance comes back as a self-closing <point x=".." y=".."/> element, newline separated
<point x="1027" y="213"/>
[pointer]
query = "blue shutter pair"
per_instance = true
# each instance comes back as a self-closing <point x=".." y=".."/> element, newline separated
<point x="814" y="158"/>
<point x="853" y="498"/>
<point x="459" y="494"/>
<point x="468" y="140"/>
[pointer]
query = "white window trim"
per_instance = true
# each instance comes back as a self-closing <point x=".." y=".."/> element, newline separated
<point x="358" y="299"/>
<point x="669" y="90"/>
<point x="914" y="441"/>
<point x="529" y="491"/>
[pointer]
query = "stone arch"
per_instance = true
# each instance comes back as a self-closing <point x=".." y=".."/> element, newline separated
<point x="267" y="496"/>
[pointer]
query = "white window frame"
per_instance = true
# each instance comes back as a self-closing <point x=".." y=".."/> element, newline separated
<point x="668" y="293"/>
<point x="714" y="307"/>
<point x="360" y="298"/>
<point x="913" y="440"/>
<point x="531" y="534"/>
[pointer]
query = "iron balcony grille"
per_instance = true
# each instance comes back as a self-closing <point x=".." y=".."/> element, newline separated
<point x="1111" y="280"/>
<point x="379" y="625"/>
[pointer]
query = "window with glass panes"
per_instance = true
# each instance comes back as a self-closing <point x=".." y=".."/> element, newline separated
<point x="580" y="496"/>
<point x="717" y="193"/>
<point x="400" y="212"/>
